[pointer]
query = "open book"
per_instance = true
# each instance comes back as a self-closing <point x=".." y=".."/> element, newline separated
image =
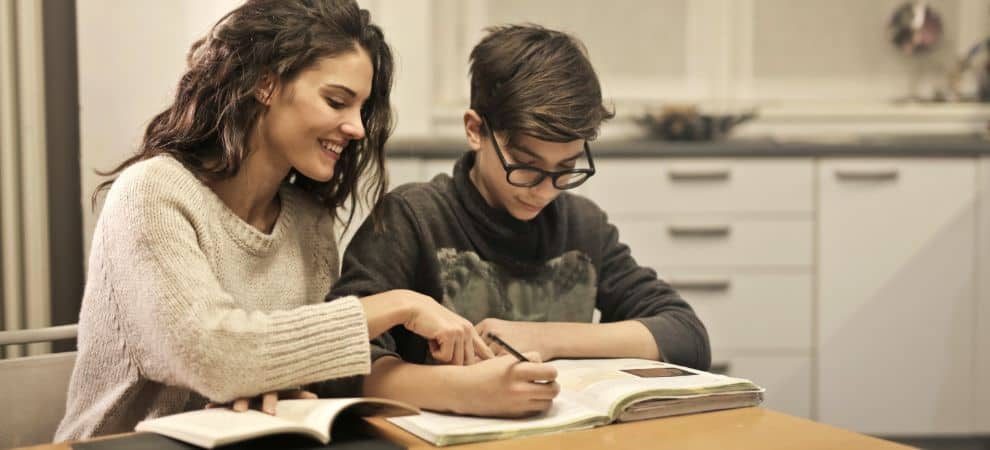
<point x="597" y="392"/>
<point x="210" y="428"/>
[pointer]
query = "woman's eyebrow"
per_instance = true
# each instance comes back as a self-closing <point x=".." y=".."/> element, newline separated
<point x="346" y="89"/>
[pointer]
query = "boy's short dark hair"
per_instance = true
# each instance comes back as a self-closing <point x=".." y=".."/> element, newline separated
<point x="530" y="80"/>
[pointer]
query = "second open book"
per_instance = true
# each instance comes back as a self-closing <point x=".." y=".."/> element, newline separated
<point x="597" y="392"/>
<point x="209" y="428"/>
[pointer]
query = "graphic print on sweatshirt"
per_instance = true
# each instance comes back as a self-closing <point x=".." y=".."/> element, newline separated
<point x="563" y="289"/>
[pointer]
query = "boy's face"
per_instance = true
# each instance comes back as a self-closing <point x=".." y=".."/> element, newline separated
<point x="488" y="173"/>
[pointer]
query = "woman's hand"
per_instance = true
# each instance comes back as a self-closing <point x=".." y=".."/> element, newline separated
<point x="452" y="338"/>
<point x="265" y="402"/>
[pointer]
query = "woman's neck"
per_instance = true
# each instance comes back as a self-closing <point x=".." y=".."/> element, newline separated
<point x="252" y="194"/>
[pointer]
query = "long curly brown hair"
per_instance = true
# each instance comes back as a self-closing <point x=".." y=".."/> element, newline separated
<point x="215" y="106"/>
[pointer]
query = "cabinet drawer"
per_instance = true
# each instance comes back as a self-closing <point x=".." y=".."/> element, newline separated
<point x="787" y="379"/>
<point x="702" y="185"/>
<point x="749" y="311"/>
<point x="675" y="243"/>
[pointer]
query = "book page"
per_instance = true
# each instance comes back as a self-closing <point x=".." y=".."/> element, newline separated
<point x="611" y="384"/>
<point x="568" y="412"/>
<point x="218" y="426"/>
<point x="320" y="414"/>
<point x="315" y="414"/>
<point x="677" y="406"/>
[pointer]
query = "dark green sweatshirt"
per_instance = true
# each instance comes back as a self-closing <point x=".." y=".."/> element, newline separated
<point x="442" y="239"/>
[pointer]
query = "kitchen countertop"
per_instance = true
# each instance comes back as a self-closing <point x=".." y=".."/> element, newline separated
<point x="906" y="146"/>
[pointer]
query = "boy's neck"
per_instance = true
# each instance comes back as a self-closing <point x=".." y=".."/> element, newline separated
<point x="473" y="177"/>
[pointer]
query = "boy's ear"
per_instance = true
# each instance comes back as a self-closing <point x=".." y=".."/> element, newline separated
<point x="265" y="88"/>
<point x="472" y="129"/>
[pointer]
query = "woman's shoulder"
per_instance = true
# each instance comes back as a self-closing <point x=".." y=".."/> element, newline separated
<point x="161" y="170"/>
<point x="154" y="179"/>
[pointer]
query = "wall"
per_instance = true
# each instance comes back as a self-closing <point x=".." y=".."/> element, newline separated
<point x="131" y="54"/>
<point x="821" y="67"/>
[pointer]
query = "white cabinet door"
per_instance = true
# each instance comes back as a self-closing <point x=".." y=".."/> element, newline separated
<point x="981" y="415"/>
<point x="896" y="295"/>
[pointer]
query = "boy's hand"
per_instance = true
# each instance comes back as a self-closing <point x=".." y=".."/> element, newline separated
<point x="522" y="336"/>
<point x="506" y="387"/>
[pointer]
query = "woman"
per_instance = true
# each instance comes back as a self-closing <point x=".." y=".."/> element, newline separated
<point x="215" y="245"/>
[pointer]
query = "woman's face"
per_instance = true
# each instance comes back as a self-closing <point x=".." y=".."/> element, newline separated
<point x="311" y="119"/>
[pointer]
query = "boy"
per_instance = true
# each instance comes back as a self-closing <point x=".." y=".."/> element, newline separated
<point x="504" y="245"/>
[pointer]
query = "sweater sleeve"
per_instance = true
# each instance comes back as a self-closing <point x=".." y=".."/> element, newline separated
<point x="627" y="291"/>
<point x="182" y="328"/>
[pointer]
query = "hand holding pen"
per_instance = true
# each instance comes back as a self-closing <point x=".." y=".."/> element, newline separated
<point x="515" y="384"/>
<point x="507" y="347"/>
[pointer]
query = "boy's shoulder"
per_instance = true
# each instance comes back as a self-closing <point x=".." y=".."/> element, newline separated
<point x="424" y="194"/>
<point x="581" y="207"/>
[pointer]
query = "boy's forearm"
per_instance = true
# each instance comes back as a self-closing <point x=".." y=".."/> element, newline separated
<point x="428" y="387"/>
<point x="626" y="339"/>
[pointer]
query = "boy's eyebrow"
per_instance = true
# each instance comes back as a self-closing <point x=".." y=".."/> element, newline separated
<point x="530" y="152"/>
<point x="573" y="158"/>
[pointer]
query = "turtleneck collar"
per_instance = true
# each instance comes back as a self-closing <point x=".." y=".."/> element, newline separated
<point x="494" y="231"/>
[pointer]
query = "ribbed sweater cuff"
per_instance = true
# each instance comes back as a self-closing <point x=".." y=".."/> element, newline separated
<point x="330" y="340"/>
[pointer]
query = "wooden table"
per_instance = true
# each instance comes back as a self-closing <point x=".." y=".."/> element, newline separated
<point x="747" y="428"/>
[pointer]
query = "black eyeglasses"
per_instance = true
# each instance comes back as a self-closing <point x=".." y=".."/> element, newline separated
<point x="523" y="175"/>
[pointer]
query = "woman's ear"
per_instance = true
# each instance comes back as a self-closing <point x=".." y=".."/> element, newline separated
<point x="472" y="129"/>
<point x="266" y="88"/>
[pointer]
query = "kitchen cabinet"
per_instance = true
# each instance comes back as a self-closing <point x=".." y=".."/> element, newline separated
<point x="735" y="237"/>
<point x="981" y="385"/>
<point x="896" y="294"/>
<point x="850" y="288"/>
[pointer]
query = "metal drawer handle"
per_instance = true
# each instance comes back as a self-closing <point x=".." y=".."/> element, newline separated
<point x="867" y="174"/>
<point x="717" y="230"/>
<point x="721" y="367"/>
<point x="701" y="284"/>
<point x="717" y="174"/>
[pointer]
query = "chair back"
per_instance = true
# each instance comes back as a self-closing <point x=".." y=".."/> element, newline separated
<point x="33" y="388"/>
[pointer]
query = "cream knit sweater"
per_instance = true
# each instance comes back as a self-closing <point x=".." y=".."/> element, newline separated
<point x="185" y="302"/>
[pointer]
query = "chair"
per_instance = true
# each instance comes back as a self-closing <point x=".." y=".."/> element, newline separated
<point x="33" y="388"/>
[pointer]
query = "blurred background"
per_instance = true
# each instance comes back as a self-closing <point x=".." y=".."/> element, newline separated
<point x="813" y="175"/>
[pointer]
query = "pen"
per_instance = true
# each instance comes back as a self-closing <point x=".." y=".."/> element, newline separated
<point x="507" y="347"/>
